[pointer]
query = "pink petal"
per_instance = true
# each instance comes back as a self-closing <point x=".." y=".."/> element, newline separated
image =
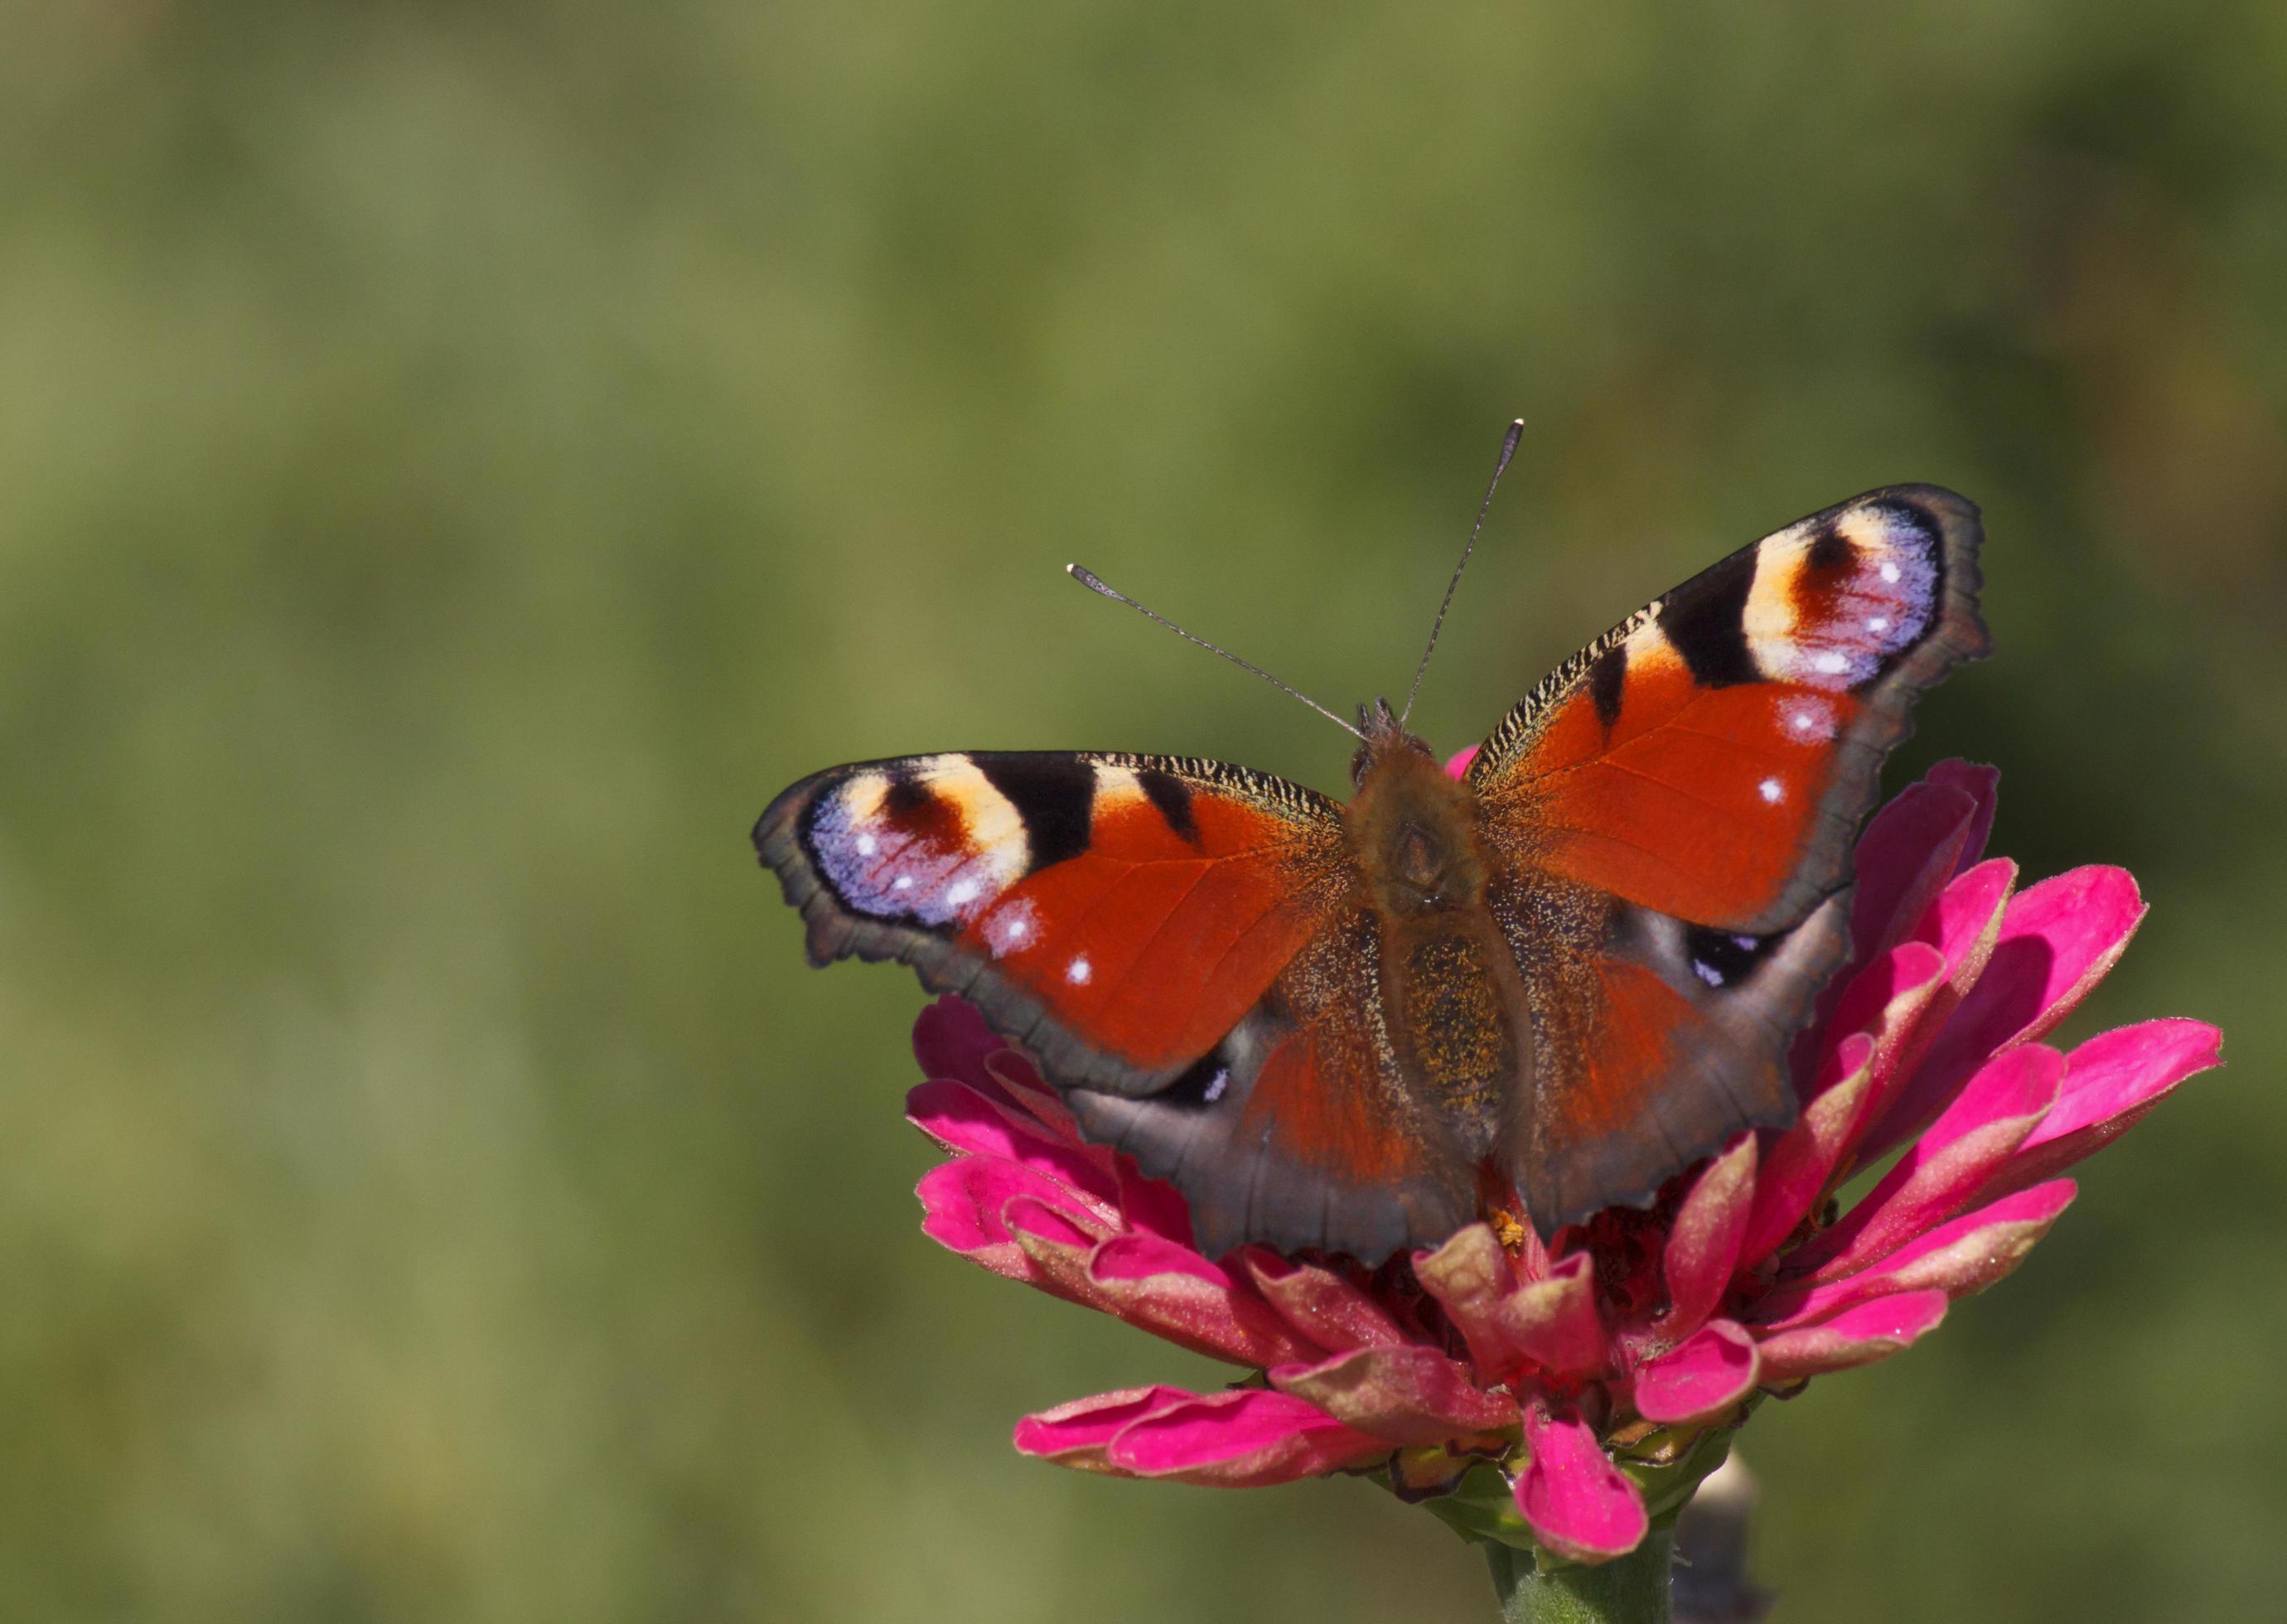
<point x="1794" y="1169"/>
<point x="1880" y="1000"/>
<point x="2058" y="939"/>
<point x="1057" y="1248"/>
<point x="1886" y="1001"/>
<point x="2110" y="1082"/>
<point x="1961" y="928"/>
<point x="1174" y="1293"/>
<point x="1460" y="762"/>
<point x="1700" y="1378"/>
<point x="1874" y="1330"/>
<point x="1077" y="1434"/>
<point x="1909" y="852"/>
<point x="1471" y="1277"/>
<point x="1981" y="785"/>
<point x="1319" y="1303"/>
<point x="1552" y="1323"/>
<point x="962" y="1202"/>
<point x="1153" y="1207"/>
<point x="1409" y="1395"/>
<point x="1146" y="1258"/>
<point x="952" y="1040"/>
<point x="1944" y="1170"/>
<point x="1059" y="1225"/>
<point x="966" y="1120"/>
<point x="1579" y="1504"/>
<point x="1530" y="1258"/>
<point x="1247" y="1439"/>
<point x="1703" y="1246"/>
<point x="1965" y="922"/>
<point x="1965" y="1256"/>
<point x="1023" y="1084"/>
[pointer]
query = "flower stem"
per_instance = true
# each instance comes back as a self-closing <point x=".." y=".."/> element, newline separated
<point x="1630" y="1589"/>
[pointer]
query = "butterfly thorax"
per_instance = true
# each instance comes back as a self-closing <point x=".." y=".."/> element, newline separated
<point x="1455" y="1008"/>
<point x="1414" y="830"/>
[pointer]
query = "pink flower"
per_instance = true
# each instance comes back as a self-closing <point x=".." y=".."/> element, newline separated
<point x="1567" y="1394"/>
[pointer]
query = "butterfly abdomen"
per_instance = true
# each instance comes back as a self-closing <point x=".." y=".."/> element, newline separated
<point x="1460" y="1028"/>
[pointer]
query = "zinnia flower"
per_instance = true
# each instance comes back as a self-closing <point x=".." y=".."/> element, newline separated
<point x="1571" y="1396"/>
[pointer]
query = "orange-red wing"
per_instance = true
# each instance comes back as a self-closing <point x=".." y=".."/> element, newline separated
<point x="1711" y="757"/>
<point x="1654" y="1049"/>
<point x="1118" y="914"/>
<point x="1296" y="1129"/>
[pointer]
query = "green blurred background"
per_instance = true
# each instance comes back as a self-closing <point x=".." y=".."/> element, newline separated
<point x="457" y="461"/>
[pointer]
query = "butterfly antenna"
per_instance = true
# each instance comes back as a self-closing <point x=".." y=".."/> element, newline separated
<point x="1508" y="450"/>
<point x="1095" y="584"/>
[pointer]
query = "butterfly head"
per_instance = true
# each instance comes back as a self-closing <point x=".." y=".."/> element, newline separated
<point x="1385" y="738"/>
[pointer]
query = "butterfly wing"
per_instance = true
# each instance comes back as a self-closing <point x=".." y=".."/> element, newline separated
<point x="1684" y="793"/>
<point x="1298" y="1129"/>
<point x="1179" y="943"/>
<point x="1117" y="915"/>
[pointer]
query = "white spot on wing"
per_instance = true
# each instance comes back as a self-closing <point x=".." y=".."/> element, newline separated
<point x="1771" y="790"/>
<point x="1707" y="972"/>
<point x="1218" y="1084"/>
<point x="961" y="893"/>
<point x="1829" y="663"/>
<point x="1880" y="622"/>
<point x="1009" y="928"/>
<point x="904" y="882"/>
<point x="1079" y="970"/>
<point x="867" y="845"/>
<point x="1889" y="571"/>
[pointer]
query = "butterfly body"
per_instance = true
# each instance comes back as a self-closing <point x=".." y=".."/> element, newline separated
<point x="1454" y="1017"/>
<point x="1568" y="972"/>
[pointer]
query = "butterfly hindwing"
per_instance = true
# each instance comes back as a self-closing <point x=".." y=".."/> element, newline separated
<point x="1298" y="1129"/>
<point x="1117" y="915"/>
<point x="1656" y="1045"/>
<point x="1684" y="794"/>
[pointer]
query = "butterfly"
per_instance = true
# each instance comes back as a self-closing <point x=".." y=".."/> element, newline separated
<point x="1571" y="972"/>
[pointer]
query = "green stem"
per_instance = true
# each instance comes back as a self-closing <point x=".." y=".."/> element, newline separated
<point x="1631" y="1589"/>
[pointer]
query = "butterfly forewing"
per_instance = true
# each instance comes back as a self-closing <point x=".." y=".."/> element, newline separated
<point x="1712" y="756"/>
<point x="1116" y="914"/>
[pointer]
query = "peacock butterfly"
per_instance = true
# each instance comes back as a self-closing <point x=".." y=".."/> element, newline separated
<point x="1573" y="971"/>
